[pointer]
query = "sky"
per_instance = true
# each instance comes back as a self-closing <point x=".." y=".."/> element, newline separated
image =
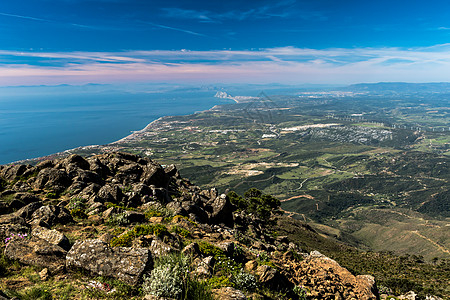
<point x="48" y="42"/>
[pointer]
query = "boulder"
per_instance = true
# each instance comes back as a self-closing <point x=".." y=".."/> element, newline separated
<point x="124" y="263"/>
<point x="204" y="266"/>
<point x="226" y="247"/>
<point x="37" y="252"/>
<point x="129" y="174"/>
<point x="266" y="274"/>
<point x="13" y="172"/>
<point x="86" y="177"/>
<point x="52" y="179"/>
<point x="171" y="170"/>
<point x="27" y="211"/>
<point x="192" y="250"/>
<point x="154" y="174"/>
<point x="51" y="215"/>
<point x="159" y="248"/>
<point x="76" y="162"/>
<point x="110" y="193"/>
<point x="220" y="210"/>
<point x="95" y="165"/>
<point x="52" y="236"/>
<point x="317" y="270"/>
<point x="134" y="217"/>
<point x="228" y="293"/>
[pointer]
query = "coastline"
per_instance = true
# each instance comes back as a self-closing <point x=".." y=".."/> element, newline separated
<point x="132" y="136"/>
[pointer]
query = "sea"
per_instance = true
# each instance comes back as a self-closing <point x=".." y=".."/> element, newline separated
<point x="39" y="121"/>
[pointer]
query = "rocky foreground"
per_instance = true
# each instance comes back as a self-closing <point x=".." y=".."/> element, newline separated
<point x="80" y="222"/>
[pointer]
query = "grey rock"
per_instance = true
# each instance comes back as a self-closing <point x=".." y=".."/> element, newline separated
<point x="110" y="193"/>
<point x="228" y="293"/>
<point x="13" y="172"/>
<point x="154" y="175"/>
<point x="76" y="161"/>
<point x="226" y="247"/>
<point x="220" y="210"/>
<point x="129" y="174"/>
<point x="109" y="212"/>
<point x="192" y="250"/>
<point x="52" y="236"/>
<point x="54" y="179"/>
<point x="266" y="274"/>
<point x="27" y="211"/>
<point x="159" y="248"/>
<point x="36" y="252"/>
<point x="124" y="263"/>
<point x="96" y="208"/>
<point x="134" y="217"/>
<point x="51" y="215"/>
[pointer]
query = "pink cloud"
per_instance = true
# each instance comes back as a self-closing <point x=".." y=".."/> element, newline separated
<point x="284" y="65"/>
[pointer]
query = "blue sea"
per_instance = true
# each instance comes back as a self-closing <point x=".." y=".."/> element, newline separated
<point x="38" y="121"/>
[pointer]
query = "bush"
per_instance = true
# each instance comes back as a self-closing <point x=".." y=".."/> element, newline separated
<point x="181" y="231"/>
<point x="168" y="278"/>
<point x="78" y="213"/>
<point x="198" y="290"/>
<point x="77" y="207"/>
<point x="126" y="239"/>
<point x="118" y="220"/>
<point x="301" y="292"/>
<point x="245" y="281"/>
<point x="255" y="202"/>
<point x="164" y="281"/>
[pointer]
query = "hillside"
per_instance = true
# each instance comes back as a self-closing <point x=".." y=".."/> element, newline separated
<point x="118" y="225"/>
<point x="369" y="168"/>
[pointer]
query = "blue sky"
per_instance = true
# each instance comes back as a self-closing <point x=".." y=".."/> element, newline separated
<point x="321" y="41"/>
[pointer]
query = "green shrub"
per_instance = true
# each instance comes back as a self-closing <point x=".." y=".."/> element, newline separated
<point x="224" y="263"/>
<point x="198" y="290"/>
<point x="169" y="277"/>
<point x="52" y="195"/>
<point x="181" y="231"/>
<point x="34" y="293"/>
<point x="76" y="203"/>
<point x="301" y="292"/>
<point x="255" y="202"/>
<point x="119" y="219"/>
<point x="164" y="281"/>
<point x="402" y="285"/>
<point x="217" y="282"/>
<point x="119" y="207"/>
<point x="245" y="281"/>
<point x="126" y="239"/>
<point x="185" y="218"/>
<point x="78" y="213"/>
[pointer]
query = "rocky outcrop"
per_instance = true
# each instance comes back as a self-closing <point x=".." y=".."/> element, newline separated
<point x="157" y="213"/>
<point x="124" y="263"/>
<point x="326" y="279"/>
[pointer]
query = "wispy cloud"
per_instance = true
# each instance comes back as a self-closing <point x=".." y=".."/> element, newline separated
<point x="24" y="17"/>
<point x="284" y="65"/>
<point x="280" y="9"/>
<point x="203" y="16"/>
<point x="82" y="26"/>
<point x="174" y="28"/>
